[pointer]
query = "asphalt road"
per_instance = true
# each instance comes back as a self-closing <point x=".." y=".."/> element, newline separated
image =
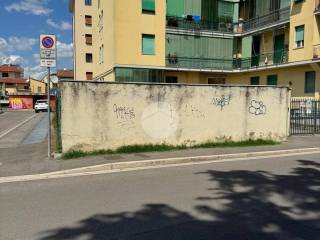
<point x="16" y="126"/>
<point x="257" y="199"/>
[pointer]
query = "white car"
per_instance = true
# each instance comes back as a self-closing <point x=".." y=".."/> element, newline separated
<point x="41" y="106"/>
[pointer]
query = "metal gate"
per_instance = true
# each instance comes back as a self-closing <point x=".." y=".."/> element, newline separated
<point x="305" y="116"/>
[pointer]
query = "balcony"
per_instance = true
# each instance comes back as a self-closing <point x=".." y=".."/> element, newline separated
<point x="194" y="23"/>
<point x="256" y="61"/>
<point x="317" y="8"/>
<point x="276" y="17"/>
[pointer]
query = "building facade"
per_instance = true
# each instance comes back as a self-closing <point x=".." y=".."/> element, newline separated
<point x="257" y="42"/>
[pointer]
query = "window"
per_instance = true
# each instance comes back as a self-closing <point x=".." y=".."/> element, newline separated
<point x="217" y="80"/>
<point x="255" y="81"/>
<point x="148" y="6"/>
<point x="272" y="80"/>
<point x="5" y="74"/>
<point x="88" y="39"/>
<point x="171" y="79"/>
<point x="89" y="57"/>
<point x="148" y="44"/>
<point x="300" y="36"/>
<point x="310" y="82"/>
<point x="88" y="2"/>
<point x="89" y="75"/>
<point x="39" y="89"/>
<point x="88" y="20"/>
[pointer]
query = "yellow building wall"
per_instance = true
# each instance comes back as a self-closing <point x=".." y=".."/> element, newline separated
<point x="104" y="36"/>
<point x="80" y="46"/>
<point x="296" y="75"/>
<point x="303" y="14"/>
<point x="37" y="87"/>
<point x="130" y="24"/>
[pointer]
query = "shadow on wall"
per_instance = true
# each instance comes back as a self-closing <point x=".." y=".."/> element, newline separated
<point x="258" y="205"/>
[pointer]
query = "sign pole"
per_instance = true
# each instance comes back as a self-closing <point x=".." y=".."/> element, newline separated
<point x="48" y="58"/>
<point x="49" y="116"/>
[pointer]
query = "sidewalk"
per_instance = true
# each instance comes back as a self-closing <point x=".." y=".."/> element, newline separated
<point x="30" y="159"/>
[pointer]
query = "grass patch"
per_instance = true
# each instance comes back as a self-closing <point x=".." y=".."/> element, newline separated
<point x="164" y="148"/>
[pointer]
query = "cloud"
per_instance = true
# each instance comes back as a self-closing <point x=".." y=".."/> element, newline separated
<point x="63" y="25"/>
<point x="35" y="72"/>
<point x="20" y="43"/>
<point x="34" y="7"/>
<point x="65" y="50"/>
<point x="11" y="59"/>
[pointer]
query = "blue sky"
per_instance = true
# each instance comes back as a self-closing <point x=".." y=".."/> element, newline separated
<point x="21" y="23"/>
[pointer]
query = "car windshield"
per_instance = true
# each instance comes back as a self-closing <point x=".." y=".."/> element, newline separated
<point x="42" y="101"/>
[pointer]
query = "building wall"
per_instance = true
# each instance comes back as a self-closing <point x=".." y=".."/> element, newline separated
<point x="100" y="115"/>
<point x="37" y="87"/>
<point x="80" y="46"/>
<point x="295" y="74"/>
<point x="104" y="34"/>
<point x="130" y="24"/>
<point x="302" y="14"/>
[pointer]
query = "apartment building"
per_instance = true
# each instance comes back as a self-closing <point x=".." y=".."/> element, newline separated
<point x="258" y="42"/>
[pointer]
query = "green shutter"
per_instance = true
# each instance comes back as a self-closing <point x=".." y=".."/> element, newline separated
<point x="285" y="3"/>
<point x="175" y="8"/>
<point x="272" y="80"/>
<point x="148" y="5"/>
<point x="255" y="81"/>
<point x="192" y="7"/>
<point x="310" y="82"/>
<point x="300" y="33"/>
<point x="148" y="44"/>
<point x="262" y="7"/>
<point x="246" y="47"/>
<point x="226" y="11"/>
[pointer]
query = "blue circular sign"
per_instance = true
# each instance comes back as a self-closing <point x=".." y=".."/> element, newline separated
<point x="47" y="42"/>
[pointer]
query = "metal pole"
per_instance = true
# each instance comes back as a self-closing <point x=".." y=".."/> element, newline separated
<point x="49" y="117"/>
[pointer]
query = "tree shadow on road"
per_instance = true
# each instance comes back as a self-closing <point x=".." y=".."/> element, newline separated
<point x="253" y="205"/>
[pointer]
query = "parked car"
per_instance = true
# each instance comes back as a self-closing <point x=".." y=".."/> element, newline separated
<point x="41" y="106"/>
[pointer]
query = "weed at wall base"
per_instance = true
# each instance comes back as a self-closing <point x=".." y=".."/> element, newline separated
<point x="164" y="148"/>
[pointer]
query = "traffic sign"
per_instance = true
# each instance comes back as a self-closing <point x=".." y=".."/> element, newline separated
<point x="48" y="51"/>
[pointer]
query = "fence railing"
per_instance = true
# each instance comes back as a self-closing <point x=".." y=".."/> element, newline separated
<point x="264" y="59"/>
<point x="305" y="116"/>
<point x="194" y="23"/>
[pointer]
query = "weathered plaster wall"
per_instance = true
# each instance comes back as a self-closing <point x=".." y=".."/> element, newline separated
<point x="100" y="115"/>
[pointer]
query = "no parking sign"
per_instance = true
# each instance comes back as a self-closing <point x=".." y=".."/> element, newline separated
<point x="48" y="51"/>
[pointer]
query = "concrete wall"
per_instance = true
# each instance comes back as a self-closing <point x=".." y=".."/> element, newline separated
<point x="100" y="115"/>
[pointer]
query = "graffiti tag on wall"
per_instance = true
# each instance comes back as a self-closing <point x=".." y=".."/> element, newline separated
<point x="221" y="101"/>
<point x="124" y="112"/>
<point x="257" y="108"/>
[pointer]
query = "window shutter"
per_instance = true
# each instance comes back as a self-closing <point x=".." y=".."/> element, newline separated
<point x="300" y="33"/>
<point x="148" y="44"/>
<point x="148" y="5"/>
<point x="226" y="11"/>
<point x="310" y="82"/>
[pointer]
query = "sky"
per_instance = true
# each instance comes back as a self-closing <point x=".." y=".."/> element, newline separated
<point x="22" y="22"/>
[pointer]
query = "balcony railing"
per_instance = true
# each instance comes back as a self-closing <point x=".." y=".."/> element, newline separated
<point x="316" y="51"/>
<point x="195" y="23"/>
<point x="264" y="59"/>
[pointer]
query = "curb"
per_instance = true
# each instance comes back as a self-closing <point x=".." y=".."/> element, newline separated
<point x="157" y="163"/>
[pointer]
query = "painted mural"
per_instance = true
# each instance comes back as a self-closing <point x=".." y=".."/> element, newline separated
<point x="20" y="103"/>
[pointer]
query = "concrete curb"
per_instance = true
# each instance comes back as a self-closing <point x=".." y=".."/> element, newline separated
<point x="158" y="163"/>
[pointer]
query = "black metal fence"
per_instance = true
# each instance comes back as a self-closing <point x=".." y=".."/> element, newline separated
<point x="305" y="116"/>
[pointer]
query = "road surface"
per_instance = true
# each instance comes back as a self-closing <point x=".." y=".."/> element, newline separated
<point x="257" y="199"/>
